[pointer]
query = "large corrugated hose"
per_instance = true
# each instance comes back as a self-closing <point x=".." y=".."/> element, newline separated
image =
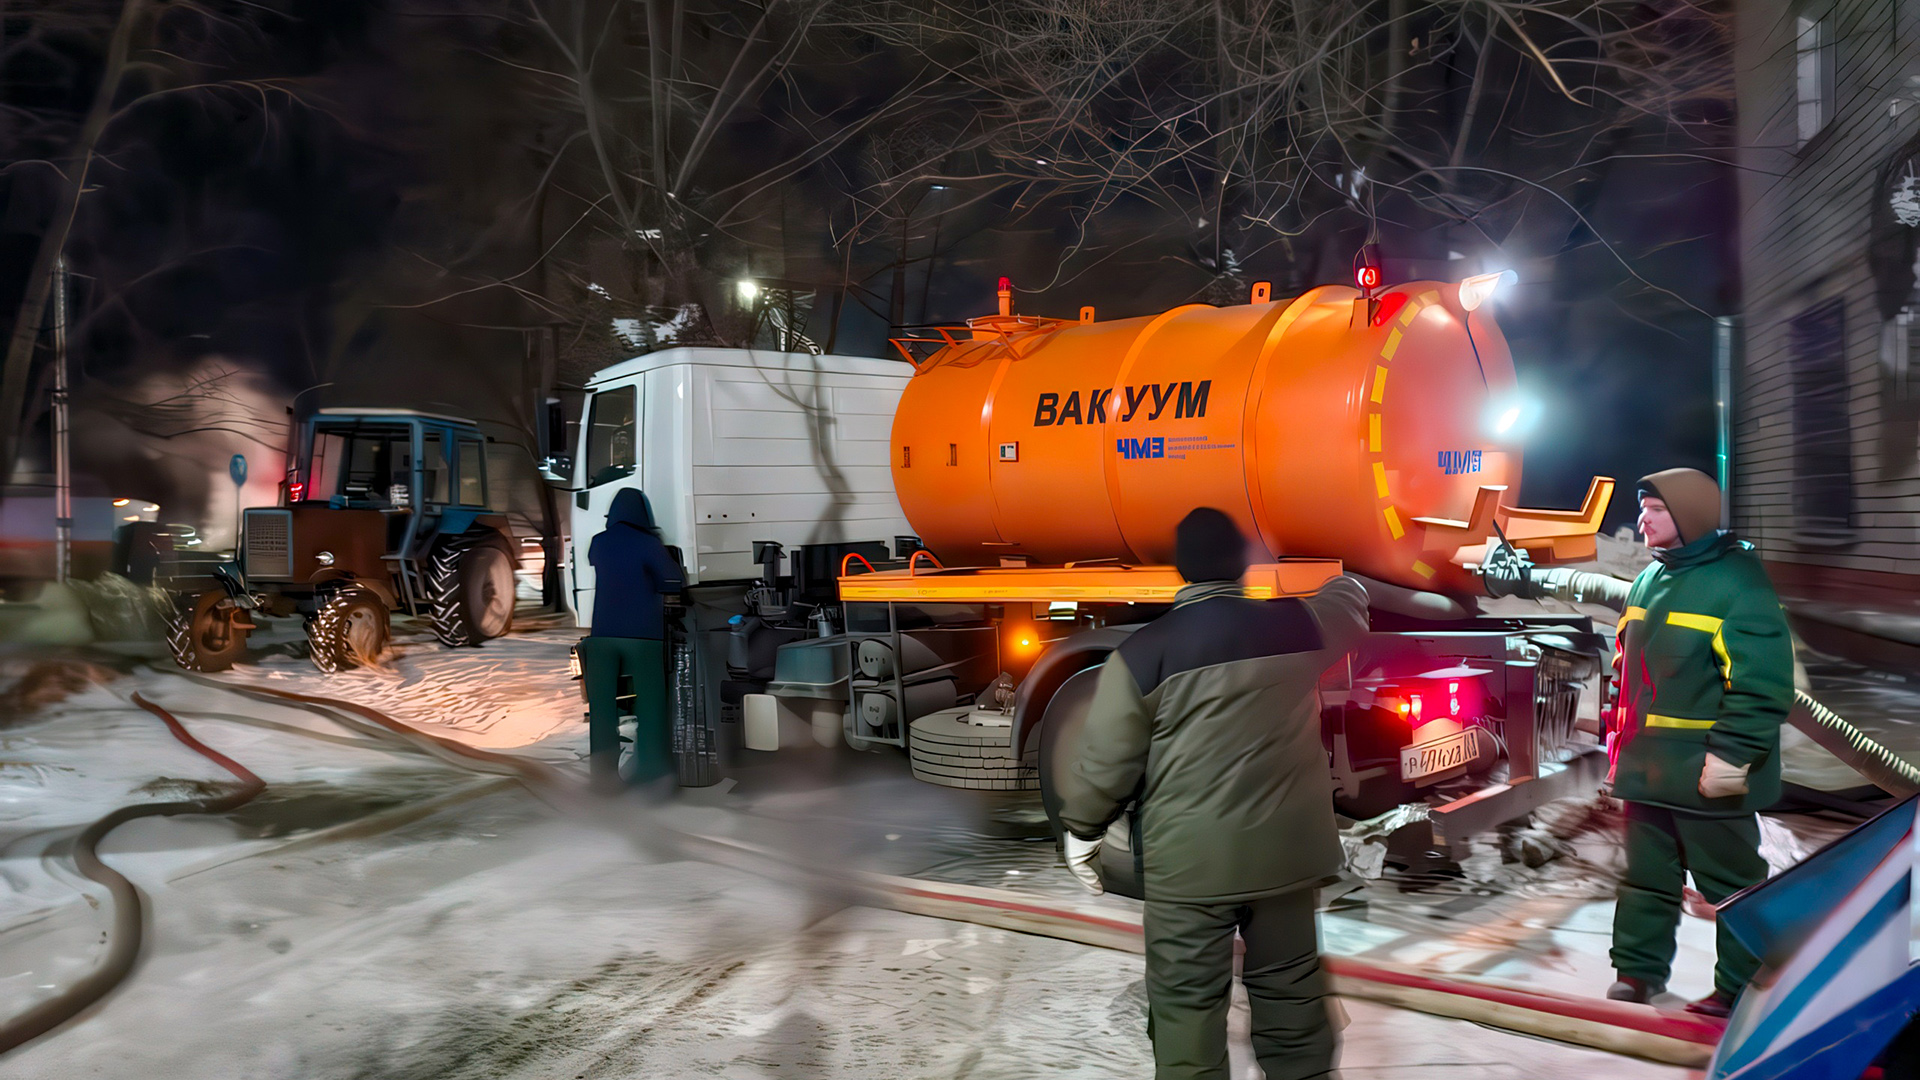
<point x="123" y="937"/>
<point x="1879" y="766"/>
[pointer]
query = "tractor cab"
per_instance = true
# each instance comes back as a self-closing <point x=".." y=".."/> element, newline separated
<point x="411" y="468"/>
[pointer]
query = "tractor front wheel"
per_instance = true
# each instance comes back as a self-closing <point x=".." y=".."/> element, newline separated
<point x="208" y="633"/>
<point x="470" y="588"/>
<point x="350" y="630"/>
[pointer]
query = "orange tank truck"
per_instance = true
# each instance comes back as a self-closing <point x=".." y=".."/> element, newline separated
<point x="1379" y="432"/>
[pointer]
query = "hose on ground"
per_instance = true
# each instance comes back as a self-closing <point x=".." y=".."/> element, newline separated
<point x="1879" y="766"/>
<point x="123" y="937"/>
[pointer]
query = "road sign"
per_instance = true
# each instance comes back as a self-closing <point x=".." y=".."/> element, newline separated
<point x="237" y="468"/>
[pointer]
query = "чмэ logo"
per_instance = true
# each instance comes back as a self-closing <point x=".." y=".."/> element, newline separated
<point x="1133" y="449"/>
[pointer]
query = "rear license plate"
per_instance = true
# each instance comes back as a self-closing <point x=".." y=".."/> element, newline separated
<point x="1438" y="756"/>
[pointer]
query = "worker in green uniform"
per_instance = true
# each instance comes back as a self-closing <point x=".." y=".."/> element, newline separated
<point x="633" y="574"/>
<point x="1705" y="681"/>
<point x="1210" y="717"/>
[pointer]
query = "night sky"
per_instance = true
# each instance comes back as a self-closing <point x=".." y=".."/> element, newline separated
<point x="405" y="203"/>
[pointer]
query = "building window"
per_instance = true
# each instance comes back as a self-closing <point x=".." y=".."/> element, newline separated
<point x="1813" y="74"/>
<point x="1822" y="429"/>
<point x="1900" y="338"/>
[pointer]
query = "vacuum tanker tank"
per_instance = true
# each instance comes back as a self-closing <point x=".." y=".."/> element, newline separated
<point x="1328" y="425"/>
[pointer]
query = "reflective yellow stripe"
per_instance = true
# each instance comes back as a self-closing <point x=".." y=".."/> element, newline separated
<point x="1380" y="478"/>
<point x="1707" y="624"/>
<point x="1633" y="614"/>
<point x="1656" y="720"/>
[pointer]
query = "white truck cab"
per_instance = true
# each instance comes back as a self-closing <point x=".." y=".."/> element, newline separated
<point x="733" y="446"/>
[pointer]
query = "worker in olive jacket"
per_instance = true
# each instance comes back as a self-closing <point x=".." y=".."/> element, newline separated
<point x="1706" y="679"/>
<point x="1210" y="716"/>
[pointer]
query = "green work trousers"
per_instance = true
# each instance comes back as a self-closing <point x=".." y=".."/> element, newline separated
<point x="1662" y="845"/>
<point x="603" y="660"/>
<point x="1190" y="982"/>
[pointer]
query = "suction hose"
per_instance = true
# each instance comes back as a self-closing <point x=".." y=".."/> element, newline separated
<point x="1881" y="767"/>
<point x="123" y="937"/>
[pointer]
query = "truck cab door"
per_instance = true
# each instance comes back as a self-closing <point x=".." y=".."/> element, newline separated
<point x="609" y="461"/>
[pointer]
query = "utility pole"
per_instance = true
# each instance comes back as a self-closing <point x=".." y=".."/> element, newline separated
<point x="62" y="451"/>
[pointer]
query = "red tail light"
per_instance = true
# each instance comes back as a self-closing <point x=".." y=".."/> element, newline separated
<point x="296" y="490"/>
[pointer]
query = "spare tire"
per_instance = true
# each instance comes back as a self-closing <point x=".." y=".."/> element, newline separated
<point x="949" y="750"/>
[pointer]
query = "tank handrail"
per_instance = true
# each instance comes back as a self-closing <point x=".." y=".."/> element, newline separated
<point x="847" y="561"/>
<point x="914" y="560"/>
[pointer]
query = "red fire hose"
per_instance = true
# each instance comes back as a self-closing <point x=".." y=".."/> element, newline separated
<point x="123" y="937"/>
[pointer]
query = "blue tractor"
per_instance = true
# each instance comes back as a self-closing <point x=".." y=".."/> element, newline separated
<point x="383" y="510"/>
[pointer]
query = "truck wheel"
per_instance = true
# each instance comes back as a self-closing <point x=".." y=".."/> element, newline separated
<point x="208" y="633"/>
<point x="1061" y="732"/>
<point x="350" y="630"/>
<point x="470" y="588"/>
<point x="949" y="752"/>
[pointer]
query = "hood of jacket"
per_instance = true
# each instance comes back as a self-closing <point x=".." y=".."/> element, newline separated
<point x="1692" y="497"/>
<point x="630" y="507"/>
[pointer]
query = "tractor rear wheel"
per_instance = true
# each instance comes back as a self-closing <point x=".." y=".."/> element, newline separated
<point x="470" y="588"/>
<point x="208" y="633"/>
<point x="350" y="630"/>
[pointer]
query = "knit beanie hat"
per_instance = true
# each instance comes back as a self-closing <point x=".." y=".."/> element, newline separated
<point x="1692" y="498"/>
<point x="1208" y="546"/>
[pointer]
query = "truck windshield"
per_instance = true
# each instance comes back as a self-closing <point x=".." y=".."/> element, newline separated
<point x="610" y="436"/>
<point x="368" y="465"/>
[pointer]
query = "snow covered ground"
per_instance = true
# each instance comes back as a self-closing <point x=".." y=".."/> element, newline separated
<point x="334" y="929"/>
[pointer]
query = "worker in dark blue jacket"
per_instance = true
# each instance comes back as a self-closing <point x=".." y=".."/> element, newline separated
<point x="633" y="574"/>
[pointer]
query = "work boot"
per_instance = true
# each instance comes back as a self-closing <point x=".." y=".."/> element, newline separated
<point x="1634" y="989"/>
<point x="1717" y="1004"/>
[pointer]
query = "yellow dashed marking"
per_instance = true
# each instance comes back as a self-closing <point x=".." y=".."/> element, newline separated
<point x="1373" y="432"/>
<point x="1406" y="317"/>
<point x="1429" y="296"/>
<point x="1423" y="569"/>
<point x="1380" y="478"/>
<point x="1392" y="345"/>
<point x="1379" y="384"/>
<point x="1393" y="523"/>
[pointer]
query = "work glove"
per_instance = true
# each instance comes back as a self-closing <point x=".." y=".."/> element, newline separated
<point x="1081" y="857"/>
<point x="1508" y="572"/>
<point x="1719" y="779"/>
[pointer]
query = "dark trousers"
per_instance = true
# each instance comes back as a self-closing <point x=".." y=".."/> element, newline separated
<point x="603" y="660"/>
<point x="1190" y="982"/>
<point x="1662" y="845"/>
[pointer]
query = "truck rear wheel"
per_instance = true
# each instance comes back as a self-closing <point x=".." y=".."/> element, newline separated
<point x="350" y="630"/>
<point x="470" y="588"/>
<point x="1062" y="730"/>
<point x="208" y="633"/>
